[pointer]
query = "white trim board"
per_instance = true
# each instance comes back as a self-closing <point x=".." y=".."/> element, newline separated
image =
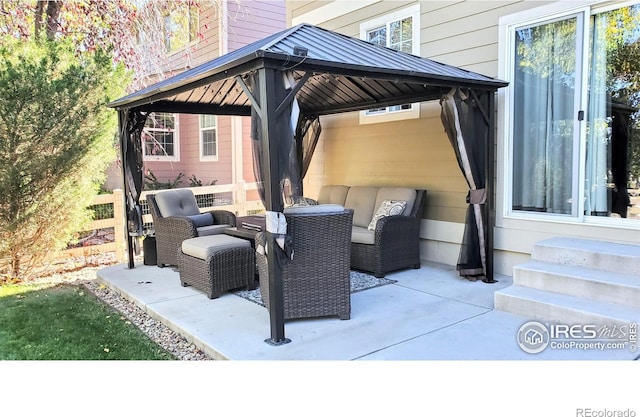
<point x="331" y="11"/>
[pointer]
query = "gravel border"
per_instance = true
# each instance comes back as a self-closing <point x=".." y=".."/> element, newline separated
<point x="169" y="340"/>
<point x="86" y="276"/>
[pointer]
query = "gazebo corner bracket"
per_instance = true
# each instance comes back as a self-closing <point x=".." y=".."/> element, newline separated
<point x="292" y="93"/>
<point x="250" y="95"/>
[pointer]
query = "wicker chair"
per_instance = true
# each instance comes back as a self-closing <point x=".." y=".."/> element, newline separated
<point x="396" y="245"/>
<point x="316" y="282"/>
<point x="176" y="217"/>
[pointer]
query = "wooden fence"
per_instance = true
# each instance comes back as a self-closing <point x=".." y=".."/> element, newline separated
<point x="232" y="197"/>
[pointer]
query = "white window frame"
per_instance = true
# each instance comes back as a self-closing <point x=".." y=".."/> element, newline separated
<point x="414" y="13"/>
<point x="176" y="144"/>
<point x="506" y="216"/>
<point x="203" y="157"/>
<point x="166" y="34"/>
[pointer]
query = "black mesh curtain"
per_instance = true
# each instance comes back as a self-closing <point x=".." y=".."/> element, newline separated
<point x="468" y="132"/>
<point x="295" y="151"/>
<point x="130" y="140"/>
<point x="307" y="134"/>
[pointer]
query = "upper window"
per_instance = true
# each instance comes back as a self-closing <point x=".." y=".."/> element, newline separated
<point x="208" y="138"/>
<point x="573" y="114"/>
<point x="399" y="31"/>
<point x="180" y="26"/>
<point x="160" y="138"/>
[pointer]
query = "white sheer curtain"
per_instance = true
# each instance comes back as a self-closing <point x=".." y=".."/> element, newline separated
<point x="544" y="116"/>
<point x="598" y="124"/>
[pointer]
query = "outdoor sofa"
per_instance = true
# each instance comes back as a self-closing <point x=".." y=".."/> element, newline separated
<point x="386" y="225"/>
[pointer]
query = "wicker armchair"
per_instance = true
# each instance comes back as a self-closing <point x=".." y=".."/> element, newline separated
<point x="176" y="217"/>
<point x="316" y="282"/>
<point x="396" y="245"/>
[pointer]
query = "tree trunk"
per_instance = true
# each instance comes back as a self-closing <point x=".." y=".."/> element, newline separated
<point x="48" y="18"/>
<point x="37" y="25"/>
<point x="53" y="11"/>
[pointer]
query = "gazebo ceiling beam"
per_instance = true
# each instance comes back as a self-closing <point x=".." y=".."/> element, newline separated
<point x="195" y="108"/>
<point x="434" y="94"/>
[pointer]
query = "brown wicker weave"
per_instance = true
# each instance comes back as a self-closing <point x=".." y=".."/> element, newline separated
<point x="316" y="282"/>
<point x="397" y="243"/>
<point x="171" y="231"/>
<point x="225" y="270"/>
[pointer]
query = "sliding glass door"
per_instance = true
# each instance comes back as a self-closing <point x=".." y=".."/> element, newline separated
<point x="612" y="149"/>
<point x="545" y="108"/>
<point x="575" y="147"/>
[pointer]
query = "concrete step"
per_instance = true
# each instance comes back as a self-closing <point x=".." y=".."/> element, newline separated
<point x="596" y="254"/>
<point x="578" y="281"/>
<point x="545" y="306"/>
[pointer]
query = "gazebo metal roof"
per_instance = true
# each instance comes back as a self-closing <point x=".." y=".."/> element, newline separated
<point x="344" y="74"/>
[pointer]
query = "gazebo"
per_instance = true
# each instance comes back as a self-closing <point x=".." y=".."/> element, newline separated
<point x="285" y="82"/>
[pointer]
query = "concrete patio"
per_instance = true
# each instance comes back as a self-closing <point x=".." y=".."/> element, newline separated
<point x="429" y="314"/>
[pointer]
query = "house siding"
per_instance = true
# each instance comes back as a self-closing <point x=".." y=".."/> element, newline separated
<point x="417" y="152"/>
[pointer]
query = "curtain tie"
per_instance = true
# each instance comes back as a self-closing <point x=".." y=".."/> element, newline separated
<point x="477" y="196"/>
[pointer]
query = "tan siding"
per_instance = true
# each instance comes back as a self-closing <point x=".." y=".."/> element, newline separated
<point x="411" y="152"/>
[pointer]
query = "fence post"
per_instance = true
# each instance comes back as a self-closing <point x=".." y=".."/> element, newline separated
<point x="119" y="226"/>
<point x="240" y="198"/>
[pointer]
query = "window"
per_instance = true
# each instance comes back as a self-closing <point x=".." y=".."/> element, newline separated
<point x="160" y="138"/>
<point x="399" y="31"/>
<point x="180" y="26"/>
<point x="208" y="138"/>
<point x="573" y="119"/>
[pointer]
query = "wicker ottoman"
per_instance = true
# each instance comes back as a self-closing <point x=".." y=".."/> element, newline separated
<point x="216" y="264"/>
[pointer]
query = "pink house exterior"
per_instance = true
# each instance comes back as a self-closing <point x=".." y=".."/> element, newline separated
<point x="215" y="149"/>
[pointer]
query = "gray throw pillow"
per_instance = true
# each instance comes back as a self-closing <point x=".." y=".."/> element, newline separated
<point x="204" y="219"/>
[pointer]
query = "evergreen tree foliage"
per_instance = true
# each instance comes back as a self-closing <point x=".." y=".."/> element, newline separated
<point x="56" y="140"/>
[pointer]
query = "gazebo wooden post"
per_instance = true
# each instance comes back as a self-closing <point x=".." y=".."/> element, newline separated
<point x="271" y="93"/>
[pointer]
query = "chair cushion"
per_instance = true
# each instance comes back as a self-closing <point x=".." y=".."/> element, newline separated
<point x="177" y="202"/>
<point x="362" y="200"/>
<point x="333" y="194"/>
<point x="387" y="208"/>
<point x="204" y="219"/>
<point x="205" y="246"/>
<point x="214" y="229"/>
<point x="363" y="235"/>
<point x="398" y="194"/>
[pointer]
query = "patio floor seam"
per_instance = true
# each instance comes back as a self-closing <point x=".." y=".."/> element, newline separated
<point x="444" y="297"/>
<point x="424" y="334"/>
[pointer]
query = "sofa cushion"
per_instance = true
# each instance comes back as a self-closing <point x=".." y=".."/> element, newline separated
<point x="398" y="194"/>
<point x="333" y="194"/>
<point x="387" y="208"/>
<point x="362" y="201"/>
<point x="178" y="202"/>
<point x="362" y="235"/>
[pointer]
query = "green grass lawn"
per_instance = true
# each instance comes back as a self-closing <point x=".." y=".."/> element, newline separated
<point x="67" y="322"/>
